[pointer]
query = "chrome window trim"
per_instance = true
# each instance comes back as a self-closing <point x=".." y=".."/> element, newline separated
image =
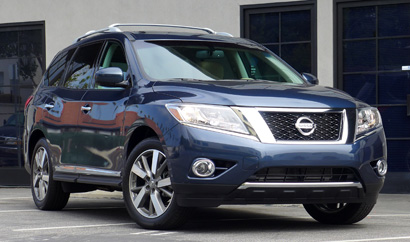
<point x="81" y="170"/>
<point x="247" y="185"/>
<point x="253" y="116"/>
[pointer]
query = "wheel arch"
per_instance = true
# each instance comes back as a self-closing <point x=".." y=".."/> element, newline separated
<point x="138" y="135"/>
<point x="34" y="138"/>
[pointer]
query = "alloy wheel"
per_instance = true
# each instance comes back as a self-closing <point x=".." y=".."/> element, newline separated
<point x="41" y="173"/>
<point x="150" y="184"/>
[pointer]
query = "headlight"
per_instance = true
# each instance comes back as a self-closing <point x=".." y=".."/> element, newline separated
<point x="367" y="120"/>
<point x="208" y="116"/>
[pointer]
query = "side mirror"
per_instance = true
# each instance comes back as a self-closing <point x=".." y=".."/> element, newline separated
<point x="110" y="77"/>
<point x="310" y="78"/>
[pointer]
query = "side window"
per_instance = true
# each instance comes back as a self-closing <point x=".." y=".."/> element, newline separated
<point x="56" y="69"/>
<point x="114" y="56"/>
<point x="82" y="67"/>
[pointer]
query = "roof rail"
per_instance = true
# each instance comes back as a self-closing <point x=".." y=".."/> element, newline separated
<point x="209" y="31"/>
<point x="109" y="30"/>
<point x="114" y="28"/>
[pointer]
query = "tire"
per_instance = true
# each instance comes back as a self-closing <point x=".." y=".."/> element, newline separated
<point x="147" y="189"/>
<point x="339" y="213"/>
<point x="47" y="193"/>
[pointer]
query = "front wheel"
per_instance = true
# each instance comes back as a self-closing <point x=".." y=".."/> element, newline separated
<point x="147" y="189"/>
<point x="339" y="213"/>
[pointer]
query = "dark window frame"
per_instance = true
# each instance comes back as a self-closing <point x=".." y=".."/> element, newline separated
<point x="246" y="10"/>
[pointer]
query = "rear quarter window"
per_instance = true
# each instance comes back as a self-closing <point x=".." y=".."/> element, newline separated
<point x="55" y="71"/>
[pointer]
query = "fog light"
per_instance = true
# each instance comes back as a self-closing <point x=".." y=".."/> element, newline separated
<point x="381" y="167"/>
<point x="203" y="167"/>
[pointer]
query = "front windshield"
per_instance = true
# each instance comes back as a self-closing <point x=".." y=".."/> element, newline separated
<point x="164" y="60"/>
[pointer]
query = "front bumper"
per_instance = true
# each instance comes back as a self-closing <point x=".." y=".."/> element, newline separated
<point x="184" y="144"/>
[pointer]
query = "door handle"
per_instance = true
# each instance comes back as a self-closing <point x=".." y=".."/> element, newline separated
<point x="49" y="106"/>
<point x="86" y="109"/>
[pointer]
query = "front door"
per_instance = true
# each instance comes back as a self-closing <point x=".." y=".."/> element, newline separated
<point x="101" y="122"/>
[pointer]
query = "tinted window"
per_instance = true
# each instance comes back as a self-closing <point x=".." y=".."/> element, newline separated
<point x="82" y="67"/>
<point x="394" y="20"/>
<point x="287" y="33"/>
<point x="295" y="26"/>
<point x="264" y="27"/>
<point x="114" y="56"/>
<point x="359" y="22"/>
<point x="56" y="70"/>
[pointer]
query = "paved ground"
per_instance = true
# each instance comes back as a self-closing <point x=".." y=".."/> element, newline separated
<point x="101" y="216"/>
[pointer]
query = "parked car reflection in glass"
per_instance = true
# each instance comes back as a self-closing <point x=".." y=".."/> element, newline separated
<point x="10" y="140"/>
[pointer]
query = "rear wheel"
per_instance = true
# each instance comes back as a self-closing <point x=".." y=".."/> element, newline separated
<point x="339" y="213"/>
<point x="148" y="193"/>
<point x="47" y="193"/>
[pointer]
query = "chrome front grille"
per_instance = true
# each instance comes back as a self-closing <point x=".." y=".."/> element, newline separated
<point x="328" y="125"/>
<point x="302" y="175"/>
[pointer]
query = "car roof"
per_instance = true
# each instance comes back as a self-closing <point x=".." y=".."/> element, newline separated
<point x="199" y="34"/>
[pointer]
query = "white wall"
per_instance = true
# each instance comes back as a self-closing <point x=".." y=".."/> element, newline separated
<point x="325" y="54"/>
<point x="66" y="20"/>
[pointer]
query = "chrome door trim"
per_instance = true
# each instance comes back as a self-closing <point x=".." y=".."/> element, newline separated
<point x="81" y="170"/>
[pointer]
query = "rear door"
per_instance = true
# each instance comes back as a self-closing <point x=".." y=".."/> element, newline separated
<point x="55" y="111"/>
<point x="67" y="100"/>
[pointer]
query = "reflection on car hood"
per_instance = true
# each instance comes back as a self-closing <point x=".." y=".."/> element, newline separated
<point x="256" y="94"/>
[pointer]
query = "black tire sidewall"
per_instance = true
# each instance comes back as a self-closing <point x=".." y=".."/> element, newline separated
<point x="351" y="213"/>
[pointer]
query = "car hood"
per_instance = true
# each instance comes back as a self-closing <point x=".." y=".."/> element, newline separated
<point x="255" y="94"/>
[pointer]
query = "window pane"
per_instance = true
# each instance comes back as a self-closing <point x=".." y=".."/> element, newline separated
<point x="273" y="48"/>
<point x="30" y="43"/>
<point x="57" y="68"/>
<point x="298" y="56"/>
<point x="394" y="20"/>
<point x="396" y="123"/>
<point x="82" y="67"/>
<point x="264" y="27"/>
<point x="295" y="26"/>
<point x="394" y="87"/>
<point x="359" y="22"/>
<point x="8" y="44"/>
<point x="361" y="86"/>
<point x="394" y="53"/>
<point x="399" y="155"/>
<point x="359" y="56"/>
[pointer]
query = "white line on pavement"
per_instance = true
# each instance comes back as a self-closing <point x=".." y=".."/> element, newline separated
<point x="376" y="239"/>
<point x="13" y="198"/>
<point x="20" y="211"/>
<point x="72" y="227"/>
<point x="165" y="233"/>
<point x="145" y="232"/>
<point x="390" y="215"/>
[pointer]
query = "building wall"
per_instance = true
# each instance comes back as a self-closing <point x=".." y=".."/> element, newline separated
<point x="66" y="20"/>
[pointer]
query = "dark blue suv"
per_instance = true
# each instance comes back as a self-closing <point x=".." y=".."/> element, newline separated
<point x="178" y="120"/>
